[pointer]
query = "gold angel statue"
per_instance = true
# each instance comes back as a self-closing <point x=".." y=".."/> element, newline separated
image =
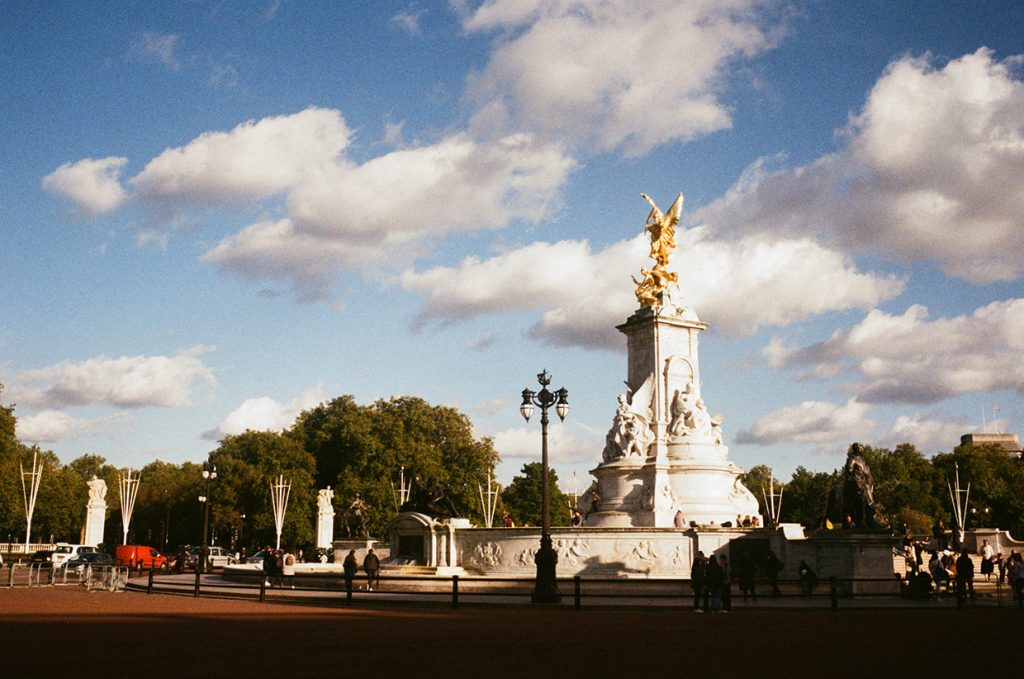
<point x="662" y="227"/>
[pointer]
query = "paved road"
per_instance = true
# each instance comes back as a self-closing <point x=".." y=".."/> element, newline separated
<point x="53" y="631"/>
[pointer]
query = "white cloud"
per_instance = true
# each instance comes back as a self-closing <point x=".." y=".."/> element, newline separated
<point x="256" y="159"/>
<point x="53" y="425"/>
<point x="267" y="414"/>
<point x="523" y="444"/>
<point x="929" y="434"/>
<point x="156" y="47"/>
<point x="815" y="422"/>
<point x="619" y="73"/>
<point x="908" y="358"/>
<point x="408" y="19"/>
<point x="931" y="170"/>
<point x="126" y="382"/>
<point x="494" y="406"/>
<point x="739" y="287"/>
<point x="93" y="185"/>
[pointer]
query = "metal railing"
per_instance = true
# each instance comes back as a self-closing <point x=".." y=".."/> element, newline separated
<point x="93" y="578"/>
<point x="453" y="590"/>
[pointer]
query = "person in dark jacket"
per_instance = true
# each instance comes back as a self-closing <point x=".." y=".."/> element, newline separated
<point x="772" y="567"/>
<point x="350" y="567"/>
<point x="697" y="580"/>
<point x="745" y="574"/>
<point x="964" y="577"/>
<point x="808" y="578"/>
<point x="371" y="564"/>
<point x="714" y="580"/>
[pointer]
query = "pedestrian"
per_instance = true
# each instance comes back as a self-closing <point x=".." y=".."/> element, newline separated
<point x="745" y="575"/>
<point x="288" y="568"/>
<point x="278" y="560"/>
<point x="714" y="580"/>
<point x="987" y="563"/>
<point x="350" y="567"/>
<point x="577" y="518"/>
<point x="371" y="564"/>
<point x="808" y="578"/>
<point x="679" y="521"/>
<point x="1016" y="576"/>
<point x="726" y="583"/>
<point x="772" y="567"/>
<point x="964" y="577"/>
<point x="697" y="581"/>
<point x="268" y="566"/>
<point x="1001" y="568"/>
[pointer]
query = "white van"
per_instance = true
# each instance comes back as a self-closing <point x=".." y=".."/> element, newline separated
<point x="64" y="552"/>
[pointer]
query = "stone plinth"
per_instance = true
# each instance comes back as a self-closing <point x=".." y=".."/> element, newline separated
<point x="95" y="515"/>
<point x="343" y="547"/>
<point x="324" y="530"/>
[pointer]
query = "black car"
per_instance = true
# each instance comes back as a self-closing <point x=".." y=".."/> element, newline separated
<point x="43" y="557"/>
<point x="93" y="559"/>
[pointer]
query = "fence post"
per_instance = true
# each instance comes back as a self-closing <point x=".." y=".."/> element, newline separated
<point x="198" y="573"/>
<point x="263" y="589"/>
<point x="10" y="576"/>
<point x="833" y="592"/>
<point x="577" y="582"/>
<point x="455" y="592"/>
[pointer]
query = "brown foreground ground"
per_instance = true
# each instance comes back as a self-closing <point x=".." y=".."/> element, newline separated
<point x="70" y="632"/>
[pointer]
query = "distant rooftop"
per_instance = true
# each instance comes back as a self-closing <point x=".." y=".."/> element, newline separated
<point x="1008" y="442"/>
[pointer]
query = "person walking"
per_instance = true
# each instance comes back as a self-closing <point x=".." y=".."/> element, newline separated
<point x="772" y="567"/>
<point x="288" y="568"/>
<point x="808" y="578"/>
<point x="714" y="579"/>
<point x="371" y="564"/>
<point x="350" y="566"/>
<point x="697" y="570"/>
<point x="1015" y="573"/>
<point x="745" y="574"/>
<point x="268" y="566"/>
<point x="726" y="583"/>
<point x="987" y="563"/>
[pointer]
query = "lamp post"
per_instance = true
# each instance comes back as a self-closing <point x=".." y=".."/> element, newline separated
<point x="209" y="474"/>
<point x="546" y="587"/>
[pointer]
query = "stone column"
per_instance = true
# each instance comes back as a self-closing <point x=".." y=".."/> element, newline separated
<point x="95" y="513"/>
<point x="325" y="519"/>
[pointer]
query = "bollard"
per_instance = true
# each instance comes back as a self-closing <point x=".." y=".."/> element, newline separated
<point x="455" y="592"/>
<point x="10" y="576"/>
<point x="263" y="589"/>
<point x="833" y="592"/>
<point x="198" y="574"/>
<point x="577" y="583"/>
<point x="149" y="585"/>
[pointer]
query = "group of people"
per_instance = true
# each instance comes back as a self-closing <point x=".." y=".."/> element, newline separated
<point x="279" y="567"/>
<point x="711" y="579"/>
<point x="371" y="565"/>
<point x="953" y="571"/>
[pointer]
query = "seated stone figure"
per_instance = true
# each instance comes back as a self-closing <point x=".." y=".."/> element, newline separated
<point x="429" y="499"/>
<point x="852" y="502"/>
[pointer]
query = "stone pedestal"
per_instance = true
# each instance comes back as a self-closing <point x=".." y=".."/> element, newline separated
<point x="324" y="530"/>
<point x="95" y="515"/>
<point x="665" y="452"/>
<point x="343" y="547"/>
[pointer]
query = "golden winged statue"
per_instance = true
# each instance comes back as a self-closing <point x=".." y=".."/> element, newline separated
<point x="662" y="227"/>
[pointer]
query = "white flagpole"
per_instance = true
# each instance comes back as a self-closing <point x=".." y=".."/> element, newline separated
<point x="30" y="492"/>
<point x="129" y="488"/>
<point x="280" y="490"/>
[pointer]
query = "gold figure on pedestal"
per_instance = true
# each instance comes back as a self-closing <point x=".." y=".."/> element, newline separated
<point x="662" y="227"/>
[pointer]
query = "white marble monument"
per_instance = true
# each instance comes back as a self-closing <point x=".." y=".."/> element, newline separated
<point x="664" y="460"/>
<point x="325" y="519"/>
<point x="95" y="512"/>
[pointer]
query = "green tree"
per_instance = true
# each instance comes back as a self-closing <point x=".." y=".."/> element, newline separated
<point x="997" y="485"/>
<point x="760" y="480"/>
<point x="905" y="487"/>
<point x="246" y="465"/>
<point x="523" y="498"/>
<point x="806" y="495"/>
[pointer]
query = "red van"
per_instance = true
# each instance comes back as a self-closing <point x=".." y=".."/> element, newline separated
<point x="139" y="556"/>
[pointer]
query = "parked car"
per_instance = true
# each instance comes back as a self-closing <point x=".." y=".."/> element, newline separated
<point x="139" y="556"/>
<point x="43" y="557"/>
<point x="218" y="557"/>
<point x="93" y="559"/>
<point x="64" y="552"/>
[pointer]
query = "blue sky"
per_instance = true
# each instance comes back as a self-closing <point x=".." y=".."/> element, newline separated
<point x="216" y="214"/>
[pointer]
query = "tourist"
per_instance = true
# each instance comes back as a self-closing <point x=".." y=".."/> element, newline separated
<point x="577" y="518"/>
<point x="745" y="575"/>
<point x="288" y="568"/>
<point x="808" y="578"/>
<point x="938" y="572"/>
<point x="714" y="580"/>
<point x="964" y="577"/>
<point x="726" y="583"/>
<point x="1001" y="568"/>
<point x="679" y="521"/>
<point x="350" y="566"/>
<point x="987" y="564"/>
<point x="772" y="567"/>
<point x="268" y="566"/>
<point x="1016" y="576"/>
<point x="506" y="520"/>
<point x="371" y="564"/>
<point x="697" y="581"/>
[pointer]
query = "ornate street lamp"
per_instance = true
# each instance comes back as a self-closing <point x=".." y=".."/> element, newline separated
<point x="209" y="474"/>
<point x="545" y="589"/>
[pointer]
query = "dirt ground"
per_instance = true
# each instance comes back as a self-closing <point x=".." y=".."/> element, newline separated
<point x="49" y="630"/>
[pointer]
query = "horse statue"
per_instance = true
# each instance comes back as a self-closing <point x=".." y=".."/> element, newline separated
<point x="353" y="519"/>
